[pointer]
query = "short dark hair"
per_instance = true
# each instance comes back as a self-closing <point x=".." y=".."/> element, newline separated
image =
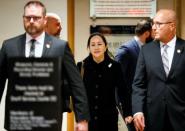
<point x="143" y="26"/>
<point x="36" y="2"/>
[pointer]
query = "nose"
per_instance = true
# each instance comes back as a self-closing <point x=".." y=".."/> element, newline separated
<point x="153" y="26"/>
<point x="31" y="20"/>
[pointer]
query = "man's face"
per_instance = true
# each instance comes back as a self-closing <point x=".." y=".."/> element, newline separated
<point x="161" y="27"/>
<point x="33" y="20"/>
<point x="53" y="27"/>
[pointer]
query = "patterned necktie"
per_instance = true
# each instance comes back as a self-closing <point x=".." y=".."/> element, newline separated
<point x="165" y="59"/>
<point x="32" y="48"/>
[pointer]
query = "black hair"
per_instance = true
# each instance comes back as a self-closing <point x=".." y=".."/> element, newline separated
<point x="100" y="35"/>
<point x="143" y="26"/>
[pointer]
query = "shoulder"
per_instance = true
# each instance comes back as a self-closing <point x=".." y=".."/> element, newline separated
<point x="180" y="40"/>
<point x="14" y="39"/>
<point x="57" y="40"/>
<point x="125" y="47"/>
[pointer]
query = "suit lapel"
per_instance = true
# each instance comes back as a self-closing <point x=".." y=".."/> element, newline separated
<point x="47" y="45"/>
<point x="21" y="45"/>
<point x="159" y="59"/>
<point x="179" y="48"/>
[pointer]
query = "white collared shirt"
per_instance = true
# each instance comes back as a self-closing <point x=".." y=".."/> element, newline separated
<point x="39" y="44"/>
<point x="138" y="41"/>
<point x="170" y="50"/>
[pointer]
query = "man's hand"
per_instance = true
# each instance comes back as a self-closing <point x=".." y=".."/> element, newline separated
<point x="128" y="119"/>
<point x="139" y="122"/>
<point x="82" y="126"/>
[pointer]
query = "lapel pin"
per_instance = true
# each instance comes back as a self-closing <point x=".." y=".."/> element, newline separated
<point x="178" y="51"/>
<point x="47" y="45"/>
<point x="110" y="65"/>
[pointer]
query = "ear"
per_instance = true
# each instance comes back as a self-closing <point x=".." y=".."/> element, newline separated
<point x="147" y="34"/>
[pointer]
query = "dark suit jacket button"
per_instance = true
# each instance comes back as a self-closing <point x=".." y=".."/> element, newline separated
<point x="96" y="97"/>
<point x="95" y="107"/>
<point x="96" y="118"/>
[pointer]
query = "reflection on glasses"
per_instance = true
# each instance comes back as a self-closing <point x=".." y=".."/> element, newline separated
<point x="35" y="18"/>
<point x="158" y="24"/>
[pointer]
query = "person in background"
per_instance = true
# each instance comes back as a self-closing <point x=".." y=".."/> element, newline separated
<point x="101" y="76"/>
<point x="53" y="24"/>
<point x="158" y="100"/>
<point x="127" y="55"/>
<point x="34" y="19"/>
<point x="53" y="27"/>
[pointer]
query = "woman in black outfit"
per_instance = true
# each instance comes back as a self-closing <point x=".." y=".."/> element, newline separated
<point x="101" y="76"/>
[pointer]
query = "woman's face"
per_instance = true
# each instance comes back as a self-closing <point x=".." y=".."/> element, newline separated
<point x="97" y="47"/>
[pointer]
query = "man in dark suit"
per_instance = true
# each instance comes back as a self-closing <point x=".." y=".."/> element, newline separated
<point x="45" y="46"/>
<point x="158" y="98"/>
<point x="127" y="55"/>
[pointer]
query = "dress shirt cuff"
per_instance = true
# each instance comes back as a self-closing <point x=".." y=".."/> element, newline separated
<point x="141" y="113"/>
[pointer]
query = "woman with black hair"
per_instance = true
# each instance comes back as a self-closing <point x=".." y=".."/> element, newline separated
<point x="101" y="76"/>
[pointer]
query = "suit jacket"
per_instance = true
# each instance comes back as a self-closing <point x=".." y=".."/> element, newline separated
<point x="127" y="55"/>
<point x="156" y="94"/>
<point x="15" y="47"/>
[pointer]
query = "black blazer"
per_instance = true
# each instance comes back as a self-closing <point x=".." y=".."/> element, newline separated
<point x="15" y="47"/>
<point x="154" y="93"/>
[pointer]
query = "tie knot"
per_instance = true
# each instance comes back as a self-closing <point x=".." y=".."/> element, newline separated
<point x="32" y="40"/>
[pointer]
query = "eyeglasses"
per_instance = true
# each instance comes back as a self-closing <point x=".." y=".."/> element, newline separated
<point x="35" y="18"/>
<point x="158" y="24"/>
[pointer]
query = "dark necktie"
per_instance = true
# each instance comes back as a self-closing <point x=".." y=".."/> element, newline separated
<point x="32" y="48"/>
<point x="165" y="60"/>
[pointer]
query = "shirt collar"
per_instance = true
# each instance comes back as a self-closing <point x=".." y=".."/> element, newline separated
<point x="138" y="41"/>
<point x="171" y="43"/>
<point x="39" y="39"/>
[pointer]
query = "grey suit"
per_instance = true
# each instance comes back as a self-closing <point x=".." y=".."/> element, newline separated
<point x="158" y="96"/>
<point x="15" y="47"/>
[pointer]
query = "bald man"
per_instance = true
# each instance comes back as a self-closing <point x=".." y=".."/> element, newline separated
<point x="158" y="97"/>
<point x="53" y="25"/>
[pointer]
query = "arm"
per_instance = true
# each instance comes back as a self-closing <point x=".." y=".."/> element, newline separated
<point x="124" y="59"/>
<point x="79" y="97"/>
<point x="3" y="70"/>
<point x="139" y="93"/>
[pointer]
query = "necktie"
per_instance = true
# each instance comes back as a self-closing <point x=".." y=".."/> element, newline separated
<point x="165" y="59"/>
<point x="32" y="48"/>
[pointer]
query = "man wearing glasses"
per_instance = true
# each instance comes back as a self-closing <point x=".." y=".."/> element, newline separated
<point x="158" y="99"/>
<point x="45" y="46"/>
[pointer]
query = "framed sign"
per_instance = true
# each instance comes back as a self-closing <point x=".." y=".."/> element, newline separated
<point x="122" y="8"/>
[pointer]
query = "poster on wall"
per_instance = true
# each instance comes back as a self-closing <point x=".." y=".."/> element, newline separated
<point x="122" y="8"/>
<point x="115" y="35"/>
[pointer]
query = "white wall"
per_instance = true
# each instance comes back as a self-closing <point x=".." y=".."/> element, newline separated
<point x="11" y="25"/>
<point x="83" y="22"/>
